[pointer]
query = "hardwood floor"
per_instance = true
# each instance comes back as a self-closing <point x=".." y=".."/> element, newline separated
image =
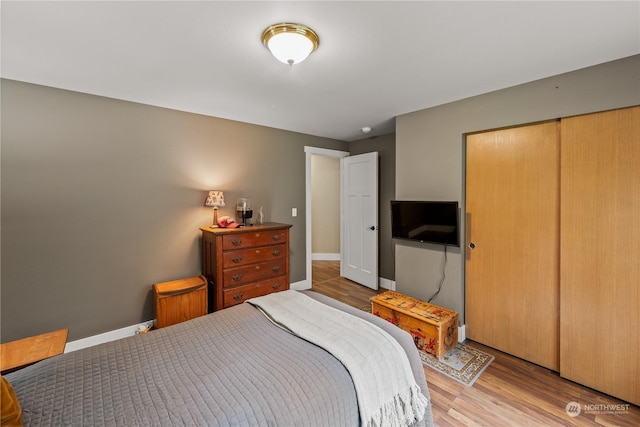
<point x="325" y="279"/>
<point x="511" y="392"/>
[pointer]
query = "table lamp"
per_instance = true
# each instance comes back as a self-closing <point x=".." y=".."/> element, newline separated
<point x="215" y="200"/>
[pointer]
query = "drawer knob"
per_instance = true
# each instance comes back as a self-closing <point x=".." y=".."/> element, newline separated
<point x="276" y="237"/>
<point x="276" y="268"/>
<point x="276" y="286"/>
<point x="276" y="252"/>
<point x="236" y="242"/>
<point x="237" y="297"/>
<point x="237" y="259"/>
<point x="237" y="277"/>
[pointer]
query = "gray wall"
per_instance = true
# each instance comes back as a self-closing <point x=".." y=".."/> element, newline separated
<point x="102" y="198"/>
<point x="430" y="154"/>
<point x="325" y="205"/>
<point x="385" y="145"/>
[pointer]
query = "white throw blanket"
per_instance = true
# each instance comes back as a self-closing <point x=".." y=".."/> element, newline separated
<point x="387" y="392"/>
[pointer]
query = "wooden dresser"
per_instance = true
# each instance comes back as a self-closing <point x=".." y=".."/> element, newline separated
<point x="245" y="262"/>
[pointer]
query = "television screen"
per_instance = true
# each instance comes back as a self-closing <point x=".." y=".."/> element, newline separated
<point x="424" y="221"/>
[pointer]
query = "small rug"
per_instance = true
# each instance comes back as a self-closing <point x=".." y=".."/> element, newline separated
<point x="463" y="364"/>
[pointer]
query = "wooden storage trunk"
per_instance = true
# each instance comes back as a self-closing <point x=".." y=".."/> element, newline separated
<point x="434" y="329"/>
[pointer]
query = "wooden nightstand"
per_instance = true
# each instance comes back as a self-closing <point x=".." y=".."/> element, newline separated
<point x="20" y="353"/>
<point x="180" y="300"/>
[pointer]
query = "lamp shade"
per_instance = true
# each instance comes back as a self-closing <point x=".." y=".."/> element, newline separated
<point x="215" y="199"/>
<point x="290" y="43"/>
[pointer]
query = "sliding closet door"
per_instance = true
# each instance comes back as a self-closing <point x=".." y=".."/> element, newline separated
<point x="600" y="252"/>
<point x="512" y="276"/>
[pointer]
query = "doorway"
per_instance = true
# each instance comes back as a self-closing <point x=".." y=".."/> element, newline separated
<point x="309" y="153"/>
<point x="357" y="223"/>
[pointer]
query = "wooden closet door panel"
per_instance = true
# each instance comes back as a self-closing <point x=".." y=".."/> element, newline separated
<point x="600" y="252"/>
<point x="512" y="275"/>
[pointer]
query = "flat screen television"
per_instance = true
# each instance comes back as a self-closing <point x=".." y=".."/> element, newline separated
<point x="425" y="221"/>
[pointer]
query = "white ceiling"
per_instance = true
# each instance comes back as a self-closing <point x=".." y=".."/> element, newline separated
<point x="376" y="60"/>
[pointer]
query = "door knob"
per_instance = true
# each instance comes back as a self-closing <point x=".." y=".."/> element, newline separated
<point x="472" y="245"/>
<point x="372" y="228"/>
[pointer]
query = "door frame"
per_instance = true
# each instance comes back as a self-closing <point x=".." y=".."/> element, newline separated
<point x="309" y="151"/>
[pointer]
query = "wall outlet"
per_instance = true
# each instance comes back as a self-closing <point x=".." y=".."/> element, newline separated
<point x="294" y="211"/>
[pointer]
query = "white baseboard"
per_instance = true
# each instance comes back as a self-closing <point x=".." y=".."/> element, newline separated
<point x="325" y="257"/>
<point x="461" y="334"/>
<point x="387" y="284"/>
<point x="107" y="336"/>
<point x="301" y="285"/>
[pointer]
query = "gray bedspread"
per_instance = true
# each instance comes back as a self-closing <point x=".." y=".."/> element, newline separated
<point x="229" y="368"/>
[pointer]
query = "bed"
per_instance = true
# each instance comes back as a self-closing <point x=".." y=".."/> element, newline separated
<point x="234" y="367"/>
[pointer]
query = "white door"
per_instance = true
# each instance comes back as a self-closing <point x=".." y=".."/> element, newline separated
<point x="359" y="237"/>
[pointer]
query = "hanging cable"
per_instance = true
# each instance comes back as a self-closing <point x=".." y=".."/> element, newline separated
<point x="444" y="265"/>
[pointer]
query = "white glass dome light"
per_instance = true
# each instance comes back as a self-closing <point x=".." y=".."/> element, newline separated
<point x="290" y="48"/>
<point x="290" y="43"/>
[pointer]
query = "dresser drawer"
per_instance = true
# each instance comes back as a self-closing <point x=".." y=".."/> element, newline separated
<point x="241" y="293"/>
<point x="239" y="258"/>
<point x="254" y="272"/>
<point x="251" y="239"/>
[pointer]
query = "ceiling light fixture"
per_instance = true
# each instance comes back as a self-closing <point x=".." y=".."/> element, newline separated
<point x="290" y="43"/>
